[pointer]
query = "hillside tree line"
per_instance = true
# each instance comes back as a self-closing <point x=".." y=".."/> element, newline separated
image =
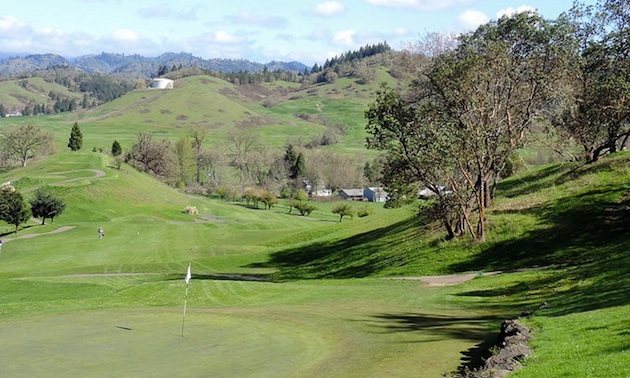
<point x="467" y="109"/>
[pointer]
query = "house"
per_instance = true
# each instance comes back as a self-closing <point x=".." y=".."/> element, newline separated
<point x="319" y="191"/>
<point x="375" y="194"/>
<point x="351" y="194"/>
<point x="428" y="193"/>
<point x="14" y="113"/>
<point x="161" y="83"/>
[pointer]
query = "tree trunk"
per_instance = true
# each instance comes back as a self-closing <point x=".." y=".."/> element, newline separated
<point x="449" y="229"/>
<point x="589" y="155"/>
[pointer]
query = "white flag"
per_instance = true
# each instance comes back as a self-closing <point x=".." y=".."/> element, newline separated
<point x="187" y="274"/>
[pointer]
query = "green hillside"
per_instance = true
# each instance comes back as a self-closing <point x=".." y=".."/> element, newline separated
<point x="313" y="290"/>
<point x="278" y="294"/>
<point x="14" y="94"/>
<point x="276" y="114"/>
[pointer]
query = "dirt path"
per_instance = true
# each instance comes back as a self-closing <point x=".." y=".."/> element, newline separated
<point x="456" y="279"/>
<point x="447" y="280"/>
<point x="97" y="173"/>
<point x="29" y="236"/>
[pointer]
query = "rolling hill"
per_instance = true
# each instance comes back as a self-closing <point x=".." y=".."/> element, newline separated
<point x="278" y="294"/>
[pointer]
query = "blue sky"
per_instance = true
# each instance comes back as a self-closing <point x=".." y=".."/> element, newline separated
<point x="309" y="31"/>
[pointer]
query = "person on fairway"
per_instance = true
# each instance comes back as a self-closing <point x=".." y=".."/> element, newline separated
<point x="101" y="233"/>
<point x="0" y="246"/>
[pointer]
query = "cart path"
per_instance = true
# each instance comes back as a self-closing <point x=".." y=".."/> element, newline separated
<point x="456" y="279"/>
<point x="97" y="173"/>
<point x="29" y="236"/>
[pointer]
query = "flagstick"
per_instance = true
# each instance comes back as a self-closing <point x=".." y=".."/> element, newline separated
<point x="187" y="279"/>
<point x="185" y="302"/>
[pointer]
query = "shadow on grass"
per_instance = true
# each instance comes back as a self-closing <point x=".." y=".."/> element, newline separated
<point x="440" y="327"/>
<point x="225" y="277"/>
<point x="358" y="256"/>
<point x="589" y="238"/>
<point x="22" y="228"/>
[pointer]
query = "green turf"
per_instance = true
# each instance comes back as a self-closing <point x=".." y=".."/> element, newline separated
<point x="327" y="307"/>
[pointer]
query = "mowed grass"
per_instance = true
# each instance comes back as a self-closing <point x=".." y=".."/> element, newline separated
<point x="113" y="307"/>
<point x="310" y="296"/>
<point x="305" y="296"/>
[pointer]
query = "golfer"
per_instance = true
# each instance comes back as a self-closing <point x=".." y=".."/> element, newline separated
<point x="101" y="233"/>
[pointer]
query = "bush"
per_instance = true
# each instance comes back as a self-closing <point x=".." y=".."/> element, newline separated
<point x="191" y="210"/>
<point x="304" y="208"/>
<point x="343" y="209"/>
<point x="227" y="193"/>
<point x="365" y="211"/>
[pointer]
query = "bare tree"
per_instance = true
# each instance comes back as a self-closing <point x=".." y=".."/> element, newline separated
<point x="25" y="141"/>
<point x="198" y="134"/>
<point x="153" y="157"/>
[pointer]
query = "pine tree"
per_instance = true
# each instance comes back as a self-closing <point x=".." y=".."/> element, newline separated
<point x="76" y="138"/>
<point x="13" y="209"/>
<point x="299" y="169"/>
<point x="116" y="149"/>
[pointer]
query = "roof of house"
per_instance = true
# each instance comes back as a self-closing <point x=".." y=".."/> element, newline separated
<point x="352" y="192"/>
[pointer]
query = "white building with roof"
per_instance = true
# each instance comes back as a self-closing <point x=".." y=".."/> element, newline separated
<point x="161" y="83"/>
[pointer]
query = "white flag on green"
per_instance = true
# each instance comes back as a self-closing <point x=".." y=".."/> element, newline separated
<point x="188" y="276"/>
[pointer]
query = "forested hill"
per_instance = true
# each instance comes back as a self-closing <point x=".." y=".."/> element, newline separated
<point x="136" y="66"/>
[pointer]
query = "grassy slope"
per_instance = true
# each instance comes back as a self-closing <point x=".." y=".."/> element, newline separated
<point x="13" y="95"/>
<point x="298" y="328"/>
<point x="209" y="102"/>
<point x="569" y="217"/>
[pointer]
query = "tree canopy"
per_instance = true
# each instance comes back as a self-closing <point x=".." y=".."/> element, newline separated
<point x="466" y="113"/>
<point x="13" y="208"/>
<point x="45" y="205"/>
<point x="24" y="141"/>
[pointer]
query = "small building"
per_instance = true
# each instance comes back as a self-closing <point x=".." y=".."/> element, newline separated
<point x="427" y="193"/>
<point x="14" y="113"/>
<point x="351" y="194"/>
<point x="161" y="83"/>
<point x="375" y="194"/>
<point x="320" y="190"/>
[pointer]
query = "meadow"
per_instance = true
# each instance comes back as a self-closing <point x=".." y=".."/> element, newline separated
<point x="275" y="294"/>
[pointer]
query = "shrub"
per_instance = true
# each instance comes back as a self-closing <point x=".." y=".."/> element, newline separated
<point x="191" y="210"/>
<point x="364" y="212"/>
<point x="343" y="209"/>
<point x="304" y="208"/>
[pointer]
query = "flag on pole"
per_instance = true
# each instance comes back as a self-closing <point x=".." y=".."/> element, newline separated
<point x="188" y="276"/>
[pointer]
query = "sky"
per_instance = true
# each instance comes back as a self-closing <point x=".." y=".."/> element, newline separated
<point x="308" y="31"/>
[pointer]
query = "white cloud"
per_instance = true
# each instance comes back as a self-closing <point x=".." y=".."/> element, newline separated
<point x="223" y="37"/>
<point x="329" y="8"/>
<point x="511" y="11"/>
<point x="10" y="25"/>
<point x="345" y="37"/>
<point x="471" y="19"/>
<point x="418" y="4"/>
<point x="125" y="36"/>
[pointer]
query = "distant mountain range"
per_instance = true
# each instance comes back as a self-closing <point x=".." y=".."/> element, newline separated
<point x="134" y="66"/>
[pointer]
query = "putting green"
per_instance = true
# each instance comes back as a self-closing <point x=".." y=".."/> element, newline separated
<point x="149" y="342"/>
